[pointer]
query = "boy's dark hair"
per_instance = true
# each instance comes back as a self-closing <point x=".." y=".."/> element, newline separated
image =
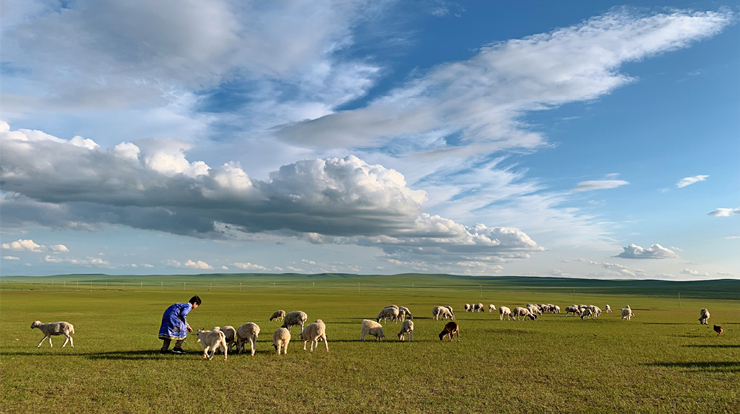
<point x="195" y="299"/>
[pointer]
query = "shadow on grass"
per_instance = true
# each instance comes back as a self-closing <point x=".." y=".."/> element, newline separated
<point x="723" y="366"/>
<point x="665" y="323"/>
<point x="712" y="346"/>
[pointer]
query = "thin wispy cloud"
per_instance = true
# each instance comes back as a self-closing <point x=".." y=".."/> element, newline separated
<point x="690" y="180"/>
<point x="725" y="212"/>
<point x="598" y="185"/>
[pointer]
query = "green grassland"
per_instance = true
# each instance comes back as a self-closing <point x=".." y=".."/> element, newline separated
<point x="662" y="360"/>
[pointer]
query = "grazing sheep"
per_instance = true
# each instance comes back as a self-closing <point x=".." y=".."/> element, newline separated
<point x="556" y="309"/>
<point x="281" y="339"/>
<point x="404" y="312"/>
<point x="371" y="328"/>
<point x="230" y="336"/>
<point x="212" y="340"/>
<point x="449" y="329"/>
<point x="523" y="313"/>
<point x="247" y="333"/>
<point x="314" y="332"/>
<point x="468" y="308"/>
<point x="534" y="309"/>
<point x="56" y="328"/>
<point x="574" y="309"/>
<point x="406" y="328"/>
<point x="388" y="312"/>
<point x="607" y="308"/>
<point x="442" y="312"/>
<point x="452" y="314"/>
<point x="587" y="314"/>
<point x="491" y="308"/>
<point x="478" y="307"/>
<point x="294" y="318"/>
<point x="504" y="311"/>
<point x="596" y="311"/>
<point x="718" y="329"/>
<point x="278" y="315"/>
<point x="627" y="313"/>
<point x="704" y="316"/>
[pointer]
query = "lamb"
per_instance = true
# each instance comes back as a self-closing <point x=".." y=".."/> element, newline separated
<point x="247" y="333"/>
<point x="452" y="314"/>
<point x="504" y="311"/>
<point x="403" y="312"/>
<point x="534" y="309"/>
<point x="443" y="312"/>
<point x="406" y="328"/>
<point x="491" y="308"/>
<point x="230" y="336"/>
<point x="281" y="339"/>
<point x="704" y="316"/>
<point x="449" y="329"/>
<point x="278" y="315"/>
<point x="212" y="340"/>
<point x="556" y="309"/>
<point x="314" y="332"/>
<point x="607" y="308"/>
<point x="524" y="313"/>
<point x="56" y="328"/>
<point x="478" y="307"/>
<point x="388" y="312"/>
<point x="294" y="318"/>
<point x="587" y="314"/>
<point x="627" y="313"/>
<point x="596" y="311"/>
<point x="574" y="309"/>
<point x="468" y="308"/>
<point x="371" y="328"/>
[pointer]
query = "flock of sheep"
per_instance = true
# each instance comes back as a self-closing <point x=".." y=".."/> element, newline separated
<point x="228" y="338"/>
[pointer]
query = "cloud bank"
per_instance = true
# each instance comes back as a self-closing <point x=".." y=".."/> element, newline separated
<point x="655" y="251"/>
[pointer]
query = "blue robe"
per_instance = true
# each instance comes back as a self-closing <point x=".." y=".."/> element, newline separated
<point x="174" y="324"/>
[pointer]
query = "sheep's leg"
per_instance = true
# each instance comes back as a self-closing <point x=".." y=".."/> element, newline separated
<point x="65" y="341"/>
<point x="304" y="345"/>
<point x="71" y="342"/>
<point x="43" y="339"/>
<point x="226" y="350"/>
<point x="325" y="343"/>
<point x="252" y="345"/>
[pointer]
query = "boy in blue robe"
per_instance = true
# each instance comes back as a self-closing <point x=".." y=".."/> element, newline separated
<point x="175" y="325"/>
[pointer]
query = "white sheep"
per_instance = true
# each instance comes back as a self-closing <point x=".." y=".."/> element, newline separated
<point x="587" y="314"/>
<point x="406" y="328"/>
<point x="441" y="312"/>
<point x="389" y="312"/>
<point x="574" y="309"/>
<point x="524" y="313"/>
<point x="295" y="318"/>
<point x="478" y="307"/>
<point x="404" y="312"/>
<point x="504" y="312"/>
<point x="534" y="309"/>
<point x="281" y="339"/>
<point x="230" y="336"/>
<point x="607" y="308"/>
<point x="53" y="329"/>
<point x="491" y="308"/>
<point x="704" y="316"/>
<point x="452" y="314"/>
<point x="247" y="333"/>
<point x="468" y="308"/>
<point x="371" y="328"/>
<point x="556" y="309"/>
<point x="212" y="340"/>
<point x="313" y="333"/>
<point x="278" y="315"/>
<point x="627" y="313"/>
<point x="596" y="311"/>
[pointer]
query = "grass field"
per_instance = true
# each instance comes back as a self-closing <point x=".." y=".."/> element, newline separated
<point x="661" y="361"/>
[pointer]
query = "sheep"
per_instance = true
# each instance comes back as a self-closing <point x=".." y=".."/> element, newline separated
<point x="388" y="312"/>
<point x="596" y="311"/>
<point x="443" y="312"/>
<point x="294" y="318"/>
<point x="524" y="313"/>
<point x="627" y="313"/>
<point x="278" y="315"/>
<point x="56" y="328"/>
<point x="556" y="309"/>
<point x="449" y="329"/>
<point x="403" y="312"/>
<point x="212" y="340"/>
<point x="371" y="328"/>
<point x="574" y="309"/>
<point x="452" y="314"/>
<point x="607" y="308"/>
<point x="281" y="339"/>
<point x="704" y="316"/>
<point x="587" y="314"/>
<point x="478" y="307"/>
<point x="468" y="308"/>
<point x="491" y="308"/>
<point x="534" y="309"/>
<point x="504" y="311"/>
<point x="230" y="336"/>
<point x="247" y="333"/>
<point x="406" y="328"/>
<point x="314" y="332"/>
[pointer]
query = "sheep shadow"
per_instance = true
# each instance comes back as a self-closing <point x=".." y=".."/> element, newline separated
<point x="133" y="355"/>
<point x="722" y="366"/>
<point x="711" y="346"/>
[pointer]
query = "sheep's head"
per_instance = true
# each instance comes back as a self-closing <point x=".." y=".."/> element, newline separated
<point x="36" y="324"/>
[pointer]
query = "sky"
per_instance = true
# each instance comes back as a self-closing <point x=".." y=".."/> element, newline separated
<point x="577" y="139"/>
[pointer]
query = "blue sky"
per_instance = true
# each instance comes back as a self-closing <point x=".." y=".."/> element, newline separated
<point x="582" y="139"/>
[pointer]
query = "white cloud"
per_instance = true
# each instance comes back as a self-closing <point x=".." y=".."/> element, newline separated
<point x="725" y="274"/>
<point x="556" y="272"/>
<point x="692" y="273"/>
<point x="249" y="266"/>
<point x="732" y="238"/>
<point x="224" y="268"/>
<point x="89" y="261"/>
<point x="690" y="180"/>
<point x="674" y="248"/>
<point x="655" y="251"/>
<point x="598" y="185"/>
<point x="725" y="212"/>
<point x="147" y="265"/>
<point x="60" y="248"/>
<point x="28" y="245"/>
<point x="11" y="258"/>
<point x="198" y="265"/>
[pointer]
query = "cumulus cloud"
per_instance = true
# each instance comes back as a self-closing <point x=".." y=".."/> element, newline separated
<point x="22" y="245"/>
<point x="335" y="200"/>
<point x="725" y="212"/>
<point x="690" y="180"/>
<point x="249" y="266"/>
<point x="556" y="272"/>
<point x="88" y="262"/>
<point x="692" y="272"/>
<point x="726" y="274"/>
<point x="655" y="251"/>
<point x="198" y="265"/>
<point x="598" y="185"/>
<point x="11" y="258"/>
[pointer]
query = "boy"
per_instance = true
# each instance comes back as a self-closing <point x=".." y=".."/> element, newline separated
<point x="175" y="325"/>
